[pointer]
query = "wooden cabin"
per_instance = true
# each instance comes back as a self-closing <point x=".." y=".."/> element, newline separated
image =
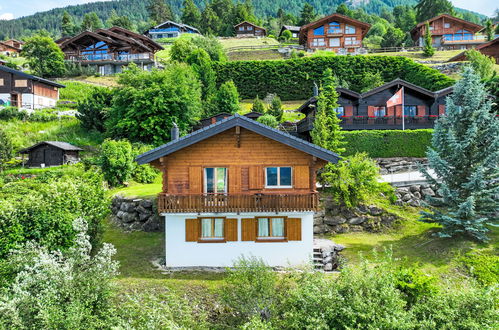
<point x="51" y="153"/>
<point x="247" y="29"/>
<point x="109" y="50"/>
<point x="22" y="90"/>
<point x="449" y="32"/>
<point x="369" y="110"/>
<point x="170" y="29"/>
<point x="235" y="188"/>
<point x="335" y="32"/>
<point x="10" y="48"/>
<point x="295" y="30"/>
<point x="490" y="48"/>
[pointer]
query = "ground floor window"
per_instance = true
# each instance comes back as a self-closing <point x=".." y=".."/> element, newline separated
<point x="340" y="111"/>
<point x="334" y="42"/>
<point x="270" y="228"/>
<point x="212" y="228"/>
<point x="349" y="41"/>
<point x="318" y="42"/>
<point x="380" y="112"/>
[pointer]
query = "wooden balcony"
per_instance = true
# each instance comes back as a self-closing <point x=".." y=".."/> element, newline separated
<point x="111" y="57"/>
<point x="220" y="203"/>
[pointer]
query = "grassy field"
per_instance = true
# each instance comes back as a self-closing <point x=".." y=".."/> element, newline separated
<point x="440" y="56"/>
<point x="139" y="190"/>
<point x="255" y="55"/>
<point x="242" y="42"/>
<point x="286" y="105"/>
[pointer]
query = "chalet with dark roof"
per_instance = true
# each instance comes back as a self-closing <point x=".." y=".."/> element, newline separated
<point x="170" y="29"/>
<point x="109" y="50"/>
<point x="295" y="30"/>
<point x="238" y="187"/>
<point x="449" y="32"/>
<point x="335" y="32"/>
<point x="51" y="153"/>
<point x="26" y="91"/>
<point x="360" y="111"/>
<point x="246" y="29"/>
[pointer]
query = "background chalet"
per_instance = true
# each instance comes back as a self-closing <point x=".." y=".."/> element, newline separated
<point x="247" y="29"/>
<point x="238" y="187"/>
<point x="170" y="29"/>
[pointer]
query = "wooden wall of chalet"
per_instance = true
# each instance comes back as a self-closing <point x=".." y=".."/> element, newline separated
<point x="358" y="35"/>
<point x="45" y="90"/>
<point x="246" y="164"/>
<point x="10" y="83"/>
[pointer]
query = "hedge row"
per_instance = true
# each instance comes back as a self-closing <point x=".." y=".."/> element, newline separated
<point x="293" y="79"/>
<point x="388" y="143"/>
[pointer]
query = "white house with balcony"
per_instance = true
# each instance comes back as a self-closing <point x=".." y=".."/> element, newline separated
<point x="170" y="29"/>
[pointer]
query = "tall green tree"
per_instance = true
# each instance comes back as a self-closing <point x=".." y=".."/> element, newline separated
<point x="428" y="49"/>
<point x="489" y="30"/>
<point x="394" y="37"/>
<point x="120" y="21"/>
<point x="426" y="9"/>
<point x="405" y="17"/>
<point x="483" y="65"/>
<point x="91" y="22"/>
<point x="307" y="14"/>
<point x="191" y="14"/>
<point x="200" y="62"/>
<point x="226" y="99"/>
<point x="327" y="130"/>
<point x="159" y="11"/>
<point x="464" y="156"/>
<point x="211" y="22"/>
<point x="44" y="57"/>
<point x="343" y="10"/>
<point x="68" y="26"/>
<point x="6" y="151"/>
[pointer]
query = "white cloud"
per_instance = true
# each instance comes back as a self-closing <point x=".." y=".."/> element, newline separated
<point x="6" y="16"/>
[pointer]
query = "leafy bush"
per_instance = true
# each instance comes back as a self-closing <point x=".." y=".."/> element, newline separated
<point x="268" y="120"/>
<point x="53" y="290"/>
<point x="483" y="266"/>
<point x="116" y="161"/>
<point x="43" y="115"/>
<point x="482" y="64"/>
<point x="388" y="143"/>
<point x="226" y="99"/>
<point x="93" y="110"/>
<point x="183" y="48"/>
<point x="5" y="149"/>
<point x="44" y="208"/>
<point x="143" y="173"/>
<point x="414" y="284"/>
<point x="354" y="179"/>
<point x="293" y="79"/>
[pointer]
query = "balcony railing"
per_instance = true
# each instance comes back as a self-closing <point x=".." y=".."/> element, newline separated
<point x="111" y="57"/>
<point x="216" y="203"/>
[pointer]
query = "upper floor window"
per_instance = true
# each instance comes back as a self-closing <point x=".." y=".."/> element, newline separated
<point x="334" y="27"/>
<point x="215" y="180"/>
<point x="278" y="177"/>
<point x="410" y="110"/>
<point x="319" y="31"/>
<point x="212" y="228"/>
<point x="241" y="28"/>
<point x="20" y="83"/>
<point x="446" y="25"/>
<point x="318" y="42"/>
<point x="1" y="82"/>
<point x="380" y="112"/>
<point x="349" y="29"/>
<point x="271" y="228"/>
<point x="249" y="28"/>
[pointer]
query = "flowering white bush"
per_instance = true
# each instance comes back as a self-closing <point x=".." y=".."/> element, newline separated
<point x="55" y="290"/>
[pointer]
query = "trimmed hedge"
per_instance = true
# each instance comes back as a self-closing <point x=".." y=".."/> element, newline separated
<point x="293" y="79"/>
<point x="388" y="143"/>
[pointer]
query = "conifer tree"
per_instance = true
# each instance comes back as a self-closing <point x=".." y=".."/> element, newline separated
<point x="68" y="26"/>
<point x="327" y="130"/>
<point x="258" y="105"/>
<point x="428" y="49"/>
<point x="307" y="14"/>
<point x="275" y="108"/>
<point x="159" y="11"/>
<point x="464" y="156"/>
<point x="191" y="14"/>
<point x="489" y="30"/>
<point x="91" y="22"/>
<point x="426" y="9"/>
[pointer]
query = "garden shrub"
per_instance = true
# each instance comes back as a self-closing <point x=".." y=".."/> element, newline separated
<point x="484" y="267"/>
<point x="143" y="173"/>
<point x="268" y="120"/>
<point x="116" y="161"/>
<point x="93" y="110"/>
<point x="5" y="149"/>
<point x="293" y="79"/>
<point x="414" y="284"/>
<point x="388" y="143"/>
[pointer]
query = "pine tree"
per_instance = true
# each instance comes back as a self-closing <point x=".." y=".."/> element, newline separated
<point x="327" y="130"/>
<point x="489" y="30"/>
<point x="258" y="105"/>
<point x="121" y="21"/>
<point x="91" y="22"/>
<point x="159" y="11"/>
<point x="464" y="155"/>
<point x="307" y="14"/>
<point x="426" y="9"/>
<point x="428" y="49"/>
<point x="275" y="108"/>
<point x="191" y="14"/>
<point x="68" y="26"/>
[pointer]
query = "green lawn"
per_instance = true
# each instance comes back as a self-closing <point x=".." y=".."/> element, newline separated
<point x="440" y="56"/>
<point x="139" y="190"/>
<point x="286" y="105"/>
<point x="241" y="42"/>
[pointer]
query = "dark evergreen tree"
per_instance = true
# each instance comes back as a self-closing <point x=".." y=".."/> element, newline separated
<point x="426" y="9"/>
<point x="405" y="17"/>
<point x="68" y="26"/>
<point x="428" y="49"/>
<point x="191" y="14"/>
<point x="343" y="10"/>
<point x="489" y="30"/>
<point x="211" y="22"/>
<point x="275" y="108"/>
<point x="91" y="22"/>
<point x="464" y="156"/>
<point x="307" y="14"/>
<point x="159" y="11"/>
<point x="121" y="21"/>
<point x="258" y="105"/>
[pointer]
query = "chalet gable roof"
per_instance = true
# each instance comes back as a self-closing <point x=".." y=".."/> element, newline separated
<point x="474" y="27"/>
<point x="10" y="46"/>
<point x="60" y="145"/>
<point x="462" y="56"/>
<point x="90" y="35"/>
<point x="29" y="76"/>
<point x="249" y="23"/>
<point x="137" y="36"/>
<point x="180" y="25"/>
<point x="228" y="123"/>
<point x="401" y="83"/>
<point x="336" y="16"/>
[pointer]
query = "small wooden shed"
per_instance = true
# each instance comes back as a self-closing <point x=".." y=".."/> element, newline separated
<point x="51" y="153"/>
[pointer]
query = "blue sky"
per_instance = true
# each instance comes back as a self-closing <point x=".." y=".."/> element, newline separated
<point x="15" y="8"/>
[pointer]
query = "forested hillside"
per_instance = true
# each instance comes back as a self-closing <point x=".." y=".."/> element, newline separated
<point x="136" y="11"/>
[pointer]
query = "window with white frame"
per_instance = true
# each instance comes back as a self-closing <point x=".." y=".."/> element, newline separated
<point x="380" y="112"/>
<point x="349" y="29"/>
<point x="212" y="228"/>
<point x="446" y="25"/>
<point x="334" y="42"/>
<point x="334" y="27"/>
<point x="350" y="41"/>
<point x="318" y="42"/>
<point x="250" y="28"/>
<point x="278" y="177"/>
<point x="271" y="228"/>
<point x="215" y="180"/>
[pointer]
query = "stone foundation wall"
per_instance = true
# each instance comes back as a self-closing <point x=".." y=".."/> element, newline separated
<point x="336" y="218"/>
<point x="136" y="214"/>
<point x="400" y="164"/>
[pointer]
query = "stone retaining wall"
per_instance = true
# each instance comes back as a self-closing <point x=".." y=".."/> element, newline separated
<point x="400" y="164"/>
<point x="414" y="195"/>
<point x="136" y="214"/>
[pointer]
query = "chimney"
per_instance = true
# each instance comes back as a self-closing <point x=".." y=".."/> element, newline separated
<point x="316" y="89"/>
<point x="174" y="132"/>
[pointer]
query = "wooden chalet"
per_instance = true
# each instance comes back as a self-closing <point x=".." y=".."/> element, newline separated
<point x="11" y="47"/>
<point x="240" y="188"/>
<point x="170" y="29"/>
<point x="109" y="50"/>
<point x="449" y="32"/>
<point x="51" y="153"/>
<point x="490" y="48"/>
<point x="295" y="30"/>
<point x="369" y="111"/>
<point x="22" y="90"/>
<point x="247" y="29"/>
<point x="335" y="32"/>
